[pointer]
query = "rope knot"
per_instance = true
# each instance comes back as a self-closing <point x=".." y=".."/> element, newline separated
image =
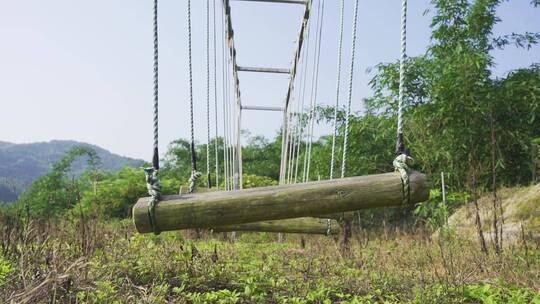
<point x="328" y="227"/>
<point x="401" y="164"/>
<point x="193" y="180"/>
<point x="154" y="190"/>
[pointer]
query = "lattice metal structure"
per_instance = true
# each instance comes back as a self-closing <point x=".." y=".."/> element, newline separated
<point x="292" y="71"/>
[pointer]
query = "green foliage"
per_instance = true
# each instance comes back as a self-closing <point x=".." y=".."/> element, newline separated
<point x="115" y="194"/>
<point x="434" y="212"/>
<point x="53" y="194"/>
<point x="489" y="294"/>
<point x="122" y="266"/>
<point x="5" y="270"/>
<point x="452" y="99"/>
<point x="253" y="181"/>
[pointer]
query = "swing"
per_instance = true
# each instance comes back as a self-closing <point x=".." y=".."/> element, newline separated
<point x="241" y="209"/>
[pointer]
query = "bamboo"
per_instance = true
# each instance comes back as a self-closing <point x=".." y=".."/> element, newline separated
<point x="206" y="210"/>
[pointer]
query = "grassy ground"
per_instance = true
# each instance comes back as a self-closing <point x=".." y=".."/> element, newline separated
<point x="109" y="263"/>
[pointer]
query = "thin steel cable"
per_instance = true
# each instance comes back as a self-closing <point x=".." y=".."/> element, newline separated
<point x="311" y="95"/>
<point x="194" y="173"/>
<point x="224" y="103"/>
<point x="292" y="78"/>
<point x="208" y="177"/>
<point x="316" y="89"/>
<point x="155" y="157"/>
<point x="302" y="97"/>
<point x="232" y="130"/>
<point x="294" y="142"/>
<point x="216" y="146"/>
<point x="287" y="146"/>
<point x="302" y="100"/>
<point x="338" y="88"/>
<point x="226" y="112"/>
<point x="400" y="144"/>
<point x="349" y="97"/>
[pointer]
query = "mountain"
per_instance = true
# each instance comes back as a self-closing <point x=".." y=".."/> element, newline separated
<point x="21" y="164"/>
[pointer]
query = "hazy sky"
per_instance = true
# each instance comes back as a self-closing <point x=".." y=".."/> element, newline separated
<point x="82" y="70"/>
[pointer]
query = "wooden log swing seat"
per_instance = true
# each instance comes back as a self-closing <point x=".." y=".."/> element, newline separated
<point x="214" y="209"/>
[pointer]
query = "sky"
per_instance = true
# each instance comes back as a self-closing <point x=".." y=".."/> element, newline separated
<point x="82" y="70"/>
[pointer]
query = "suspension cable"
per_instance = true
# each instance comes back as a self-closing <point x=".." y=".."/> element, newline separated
<point x="349" y="99"/>
<point x="338" y="87"/>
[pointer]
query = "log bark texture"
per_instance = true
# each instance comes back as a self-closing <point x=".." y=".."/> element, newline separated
<point x="211" y="209"/>
<point x="300" y="225"/>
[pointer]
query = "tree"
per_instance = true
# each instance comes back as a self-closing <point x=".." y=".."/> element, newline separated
<point x="54" y="193"/>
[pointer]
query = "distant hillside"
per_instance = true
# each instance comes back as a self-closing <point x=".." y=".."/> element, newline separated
<point x="20" y="164"/>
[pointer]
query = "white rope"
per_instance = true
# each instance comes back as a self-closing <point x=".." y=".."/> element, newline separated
<point x="194" y="173"/>
<point x="349" y="99"/>
<point x="290" y="92"/>
<point x="338" y="88"/>
<point x="315" y="88"/>
<point x="224" y="102"/>
<point x="228" y="119"/>
<point x="302" y="110"/>
<point x="302" y="97"/>
<point x="215" y="95"/>
<point x="151" y="174"/>
<point x="232" y="131"/>
<point x="207" y="10"/>
<point x="400" y="145"/>
<point x="155" y="157"/>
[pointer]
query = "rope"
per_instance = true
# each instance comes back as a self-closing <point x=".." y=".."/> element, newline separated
<point x="225" y="98"/>
<point x="403" y="160"/>
<point x="193" y="180"/>
<point x="315" y="88"/>
<point x="338" y="84"/>
<point x="400" y="144"/>
<point x="292" y="78"/>
<point x="154" y="190"/>
<point x="151" y="174"/>
<point x="351" y="77"/>
<point x="209" y="179"/>
<point x="302" y="95"/>
<point x="194" y="173"/>
<point x="328" y="226"/>
<point x="155" y="158"/>
<point x="401" y="164"/>
<point x="300" y="132"/>
<point x="215" y="94"/>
